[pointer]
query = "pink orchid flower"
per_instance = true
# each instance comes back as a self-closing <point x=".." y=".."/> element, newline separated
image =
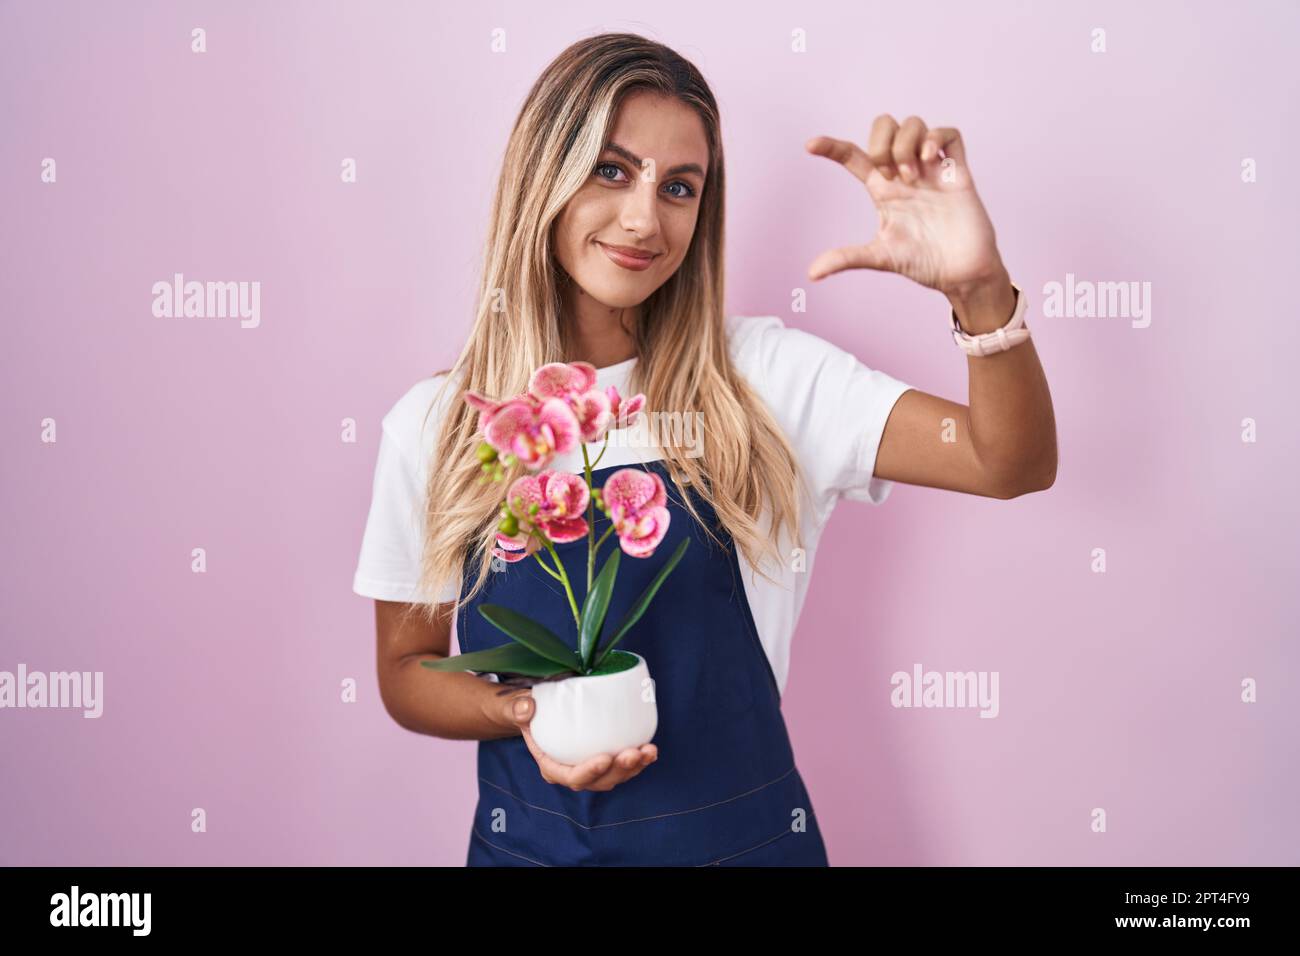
<point x="575" y="383"/>
<point x="637" y="501"/>
<point x="486" y="407"/>
<point x="557" y="379"/>
<point x="515" y="548"/>
<point x="561" y="499"/>
<point x="533" y="432"/>
<point x="625" y="413"/>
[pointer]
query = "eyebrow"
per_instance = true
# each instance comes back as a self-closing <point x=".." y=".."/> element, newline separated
<point x="636" y="161"/>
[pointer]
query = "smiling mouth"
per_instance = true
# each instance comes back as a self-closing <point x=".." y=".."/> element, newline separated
<point x="628" y="258"/>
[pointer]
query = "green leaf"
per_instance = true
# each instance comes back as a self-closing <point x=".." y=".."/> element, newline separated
<point x="643" y="602"/>
<point x="595" y="606"/>
<point x="532" y="635"/>
<point x="507" y="659"/>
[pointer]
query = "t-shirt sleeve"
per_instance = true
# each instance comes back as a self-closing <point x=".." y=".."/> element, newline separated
<point x="832" y="406"/>
<point x="392" y="545"/>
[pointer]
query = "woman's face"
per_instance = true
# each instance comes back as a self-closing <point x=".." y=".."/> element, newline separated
<point x="643" y="195"/>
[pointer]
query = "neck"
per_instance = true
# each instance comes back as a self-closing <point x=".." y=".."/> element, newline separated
<point x="598" y="333"/>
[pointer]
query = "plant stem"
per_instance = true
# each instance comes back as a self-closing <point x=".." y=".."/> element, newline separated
<point x="546" y="567"/>
<point x="592" y="544"/>
<point x="591" y="515"/>
<point x="564" y="579"/>
<point x="600" y="456"/>
<point x="604" y="536"/>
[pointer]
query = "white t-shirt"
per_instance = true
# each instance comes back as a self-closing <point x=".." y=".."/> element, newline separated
<point x="832" y="407"/>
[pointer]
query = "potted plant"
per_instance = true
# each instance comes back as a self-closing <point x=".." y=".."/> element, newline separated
<point x="590" y="697"/>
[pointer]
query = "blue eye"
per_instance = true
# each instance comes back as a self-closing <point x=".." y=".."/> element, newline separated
<point x="690" y="191"/>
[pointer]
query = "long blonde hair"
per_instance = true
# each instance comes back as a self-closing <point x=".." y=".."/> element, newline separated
<point x="681" y="338"/>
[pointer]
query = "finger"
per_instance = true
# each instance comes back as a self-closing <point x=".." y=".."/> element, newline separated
<point x="590" y="770"/>
<point x="520" y="706"/>
<point x="538" y="754"/>
<point x="847" y="154"/>
<point x="642" y="759"/>
<point x="629" y="759"/>
<point x="610" y="777"/>
<point x="575" y="778"/>
<point x="627" y="765"/>
<point x="947" y="139"/>
<point x="871" y="256"/>
<point x="615" y="777"/>
<point x="880" y="144"/>
<point x="907" y="146"/>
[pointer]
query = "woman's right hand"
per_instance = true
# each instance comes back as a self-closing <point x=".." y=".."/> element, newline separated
<point x="601" y="772"/>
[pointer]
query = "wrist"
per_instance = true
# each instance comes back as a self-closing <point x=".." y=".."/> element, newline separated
<point x="986" y="305"/>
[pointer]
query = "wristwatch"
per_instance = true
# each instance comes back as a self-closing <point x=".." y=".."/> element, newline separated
<point x="999" y="340"/>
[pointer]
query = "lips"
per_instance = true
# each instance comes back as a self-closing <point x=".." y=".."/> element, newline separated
<point x="628" y="257"/>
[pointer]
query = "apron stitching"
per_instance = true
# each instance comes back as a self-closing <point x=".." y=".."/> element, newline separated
<point x="504" y="850"/>
<point x="783" y="833"/>
<point x="640" y="819"/>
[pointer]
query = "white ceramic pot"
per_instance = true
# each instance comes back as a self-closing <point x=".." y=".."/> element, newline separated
<point x="580" y="717"/>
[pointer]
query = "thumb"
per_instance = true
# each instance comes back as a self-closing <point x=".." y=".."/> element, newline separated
<point x="871" y="256"/>
<point x="519" y="708"/>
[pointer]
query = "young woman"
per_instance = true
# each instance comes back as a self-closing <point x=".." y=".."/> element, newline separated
<point x="606" y="246"/>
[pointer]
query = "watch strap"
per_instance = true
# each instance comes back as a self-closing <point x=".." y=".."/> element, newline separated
<point x="999" y="340"/>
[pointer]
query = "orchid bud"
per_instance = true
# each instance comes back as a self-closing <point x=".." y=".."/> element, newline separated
<point x="509" y="526"/>
<point x="486" y="453"/>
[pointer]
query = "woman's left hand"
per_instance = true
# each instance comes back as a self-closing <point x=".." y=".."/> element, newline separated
<point x="933" y="228"/>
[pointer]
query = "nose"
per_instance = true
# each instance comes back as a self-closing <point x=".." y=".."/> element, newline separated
<point x="640" y="213"/>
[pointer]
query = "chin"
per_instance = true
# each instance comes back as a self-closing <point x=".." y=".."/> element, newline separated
<point x="616" y="295"/>
<point x="627" y="300"/>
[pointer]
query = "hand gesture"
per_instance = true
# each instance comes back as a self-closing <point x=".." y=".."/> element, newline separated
<point x="933" y="228"/>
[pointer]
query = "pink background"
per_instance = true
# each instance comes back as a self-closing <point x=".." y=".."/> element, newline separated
<point x="222" y="690"/>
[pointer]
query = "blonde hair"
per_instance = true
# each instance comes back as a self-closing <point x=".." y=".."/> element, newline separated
<point x="681" y="338"/>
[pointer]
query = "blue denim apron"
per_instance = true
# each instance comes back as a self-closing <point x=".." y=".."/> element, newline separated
<point x="724" y="791"/>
